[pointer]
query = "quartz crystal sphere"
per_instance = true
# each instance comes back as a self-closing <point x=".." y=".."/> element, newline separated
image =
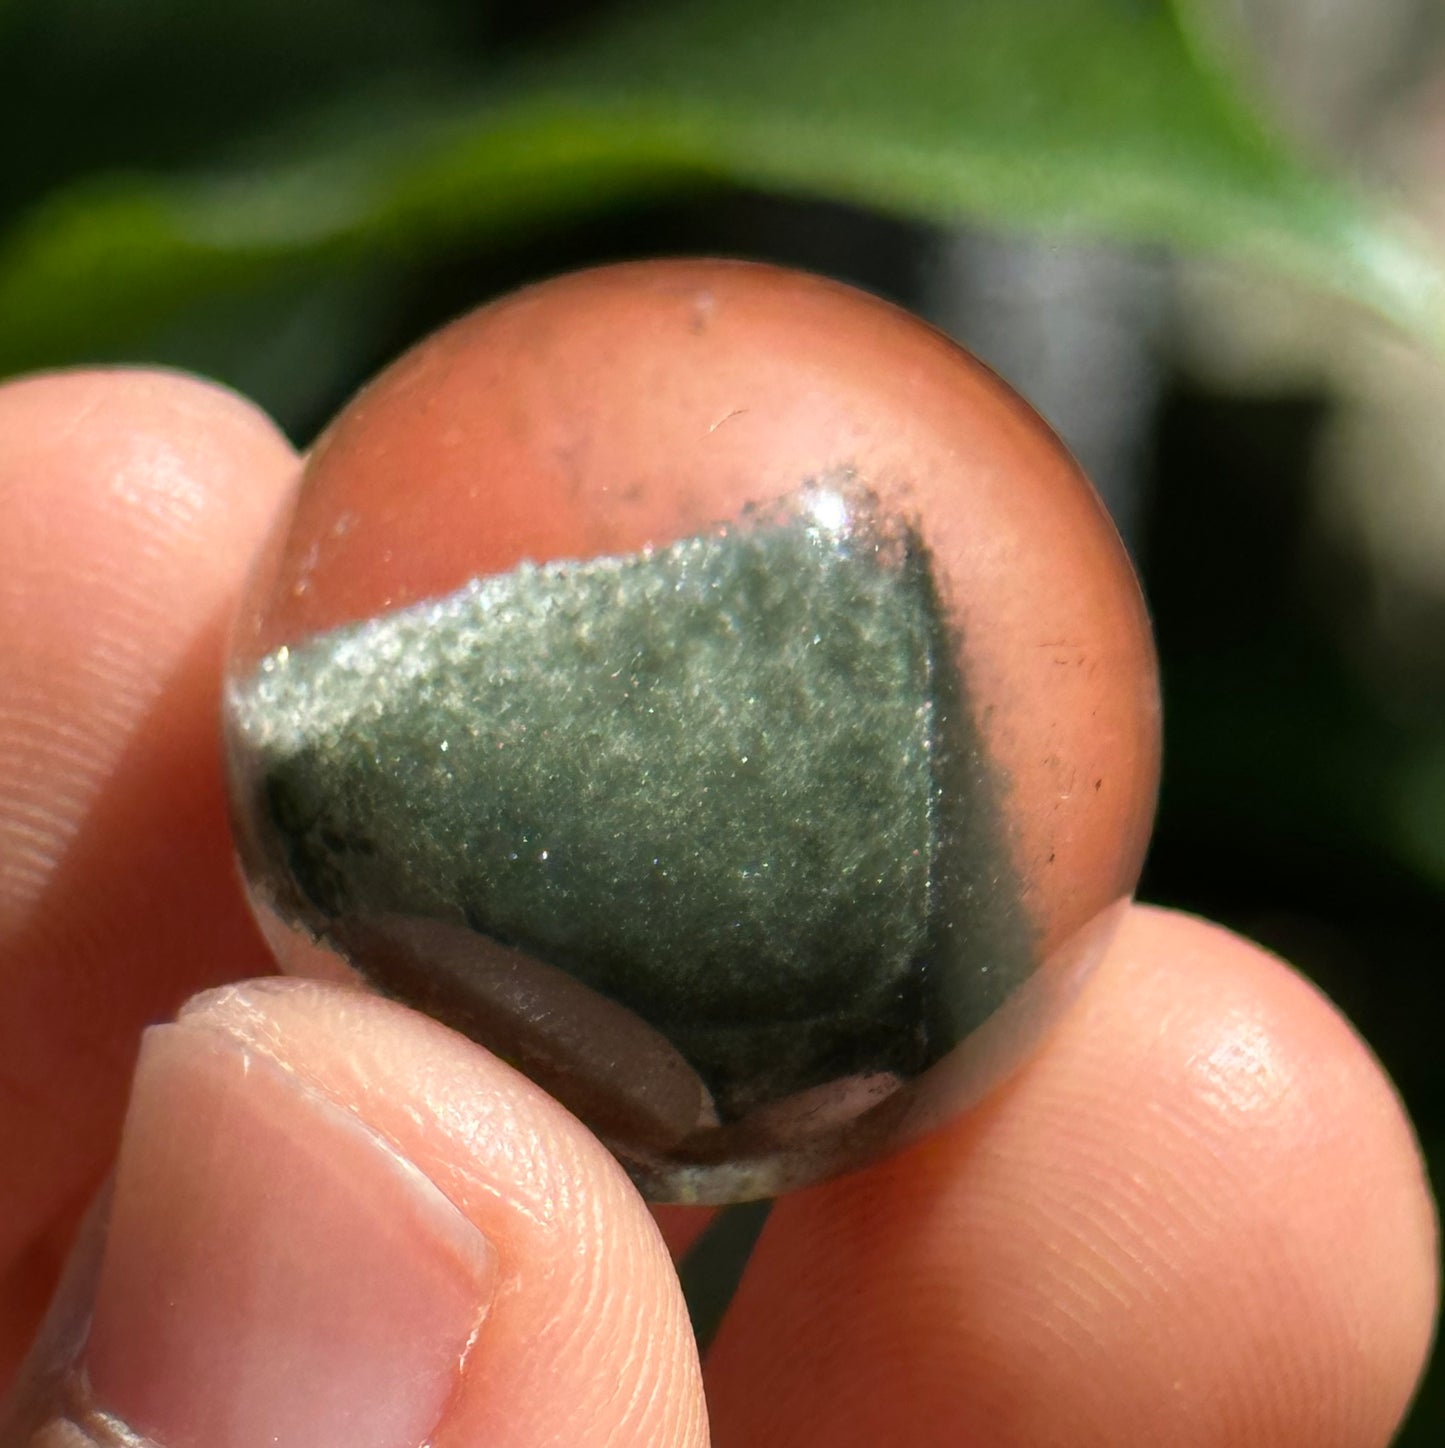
<point x="716" y="693"/>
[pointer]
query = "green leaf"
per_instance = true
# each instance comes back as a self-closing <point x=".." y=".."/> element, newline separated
<point x="1099" y="116"/>
<point x="90" y="84"/>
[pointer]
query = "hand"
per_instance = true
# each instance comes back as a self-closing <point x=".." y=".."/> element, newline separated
<point x="1198" y="1217"/>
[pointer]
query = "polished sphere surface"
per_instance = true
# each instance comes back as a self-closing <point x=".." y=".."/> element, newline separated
<point x="714" y="692"/>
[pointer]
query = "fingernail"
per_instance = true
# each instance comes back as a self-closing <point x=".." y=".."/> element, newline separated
<point x="275" y="1273"/>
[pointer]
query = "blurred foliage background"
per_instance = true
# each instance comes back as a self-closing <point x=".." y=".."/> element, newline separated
<point x="1204" y="237"/>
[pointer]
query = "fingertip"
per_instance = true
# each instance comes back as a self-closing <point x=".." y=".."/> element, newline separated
<point x="135" y="391"/>
<point x="131" y="503"/>
<point x="1325" y="1270"/>
<point x="364" y="1229"/>
<point x="1198" y="1217"/>
<point x="587" y="1339"/>
<point x="50" y="416"/>
<point x="131" y="477"/>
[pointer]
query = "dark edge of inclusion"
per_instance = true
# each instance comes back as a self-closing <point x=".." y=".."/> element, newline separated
<point x="304" y="843"/>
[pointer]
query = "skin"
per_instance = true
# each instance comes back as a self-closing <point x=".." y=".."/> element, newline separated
<point x="1197" y="1216"/>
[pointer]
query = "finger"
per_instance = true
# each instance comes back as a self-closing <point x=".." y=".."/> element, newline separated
<point x="1199" y="1218"/>
<point x="363" y="1230"/>
<point x="130" y="503"/>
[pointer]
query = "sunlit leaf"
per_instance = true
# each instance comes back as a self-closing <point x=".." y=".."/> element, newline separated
<point x="1088" y="115"/>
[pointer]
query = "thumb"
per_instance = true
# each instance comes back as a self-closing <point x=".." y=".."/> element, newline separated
<point x="335" y="1222"/>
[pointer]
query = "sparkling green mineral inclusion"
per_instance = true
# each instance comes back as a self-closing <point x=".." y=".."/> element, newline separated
<point x="706" y="779"/>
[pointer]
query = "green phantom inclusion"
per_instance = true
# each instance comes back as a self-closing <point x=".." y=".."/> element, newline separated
<point x="704" y="779"/>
